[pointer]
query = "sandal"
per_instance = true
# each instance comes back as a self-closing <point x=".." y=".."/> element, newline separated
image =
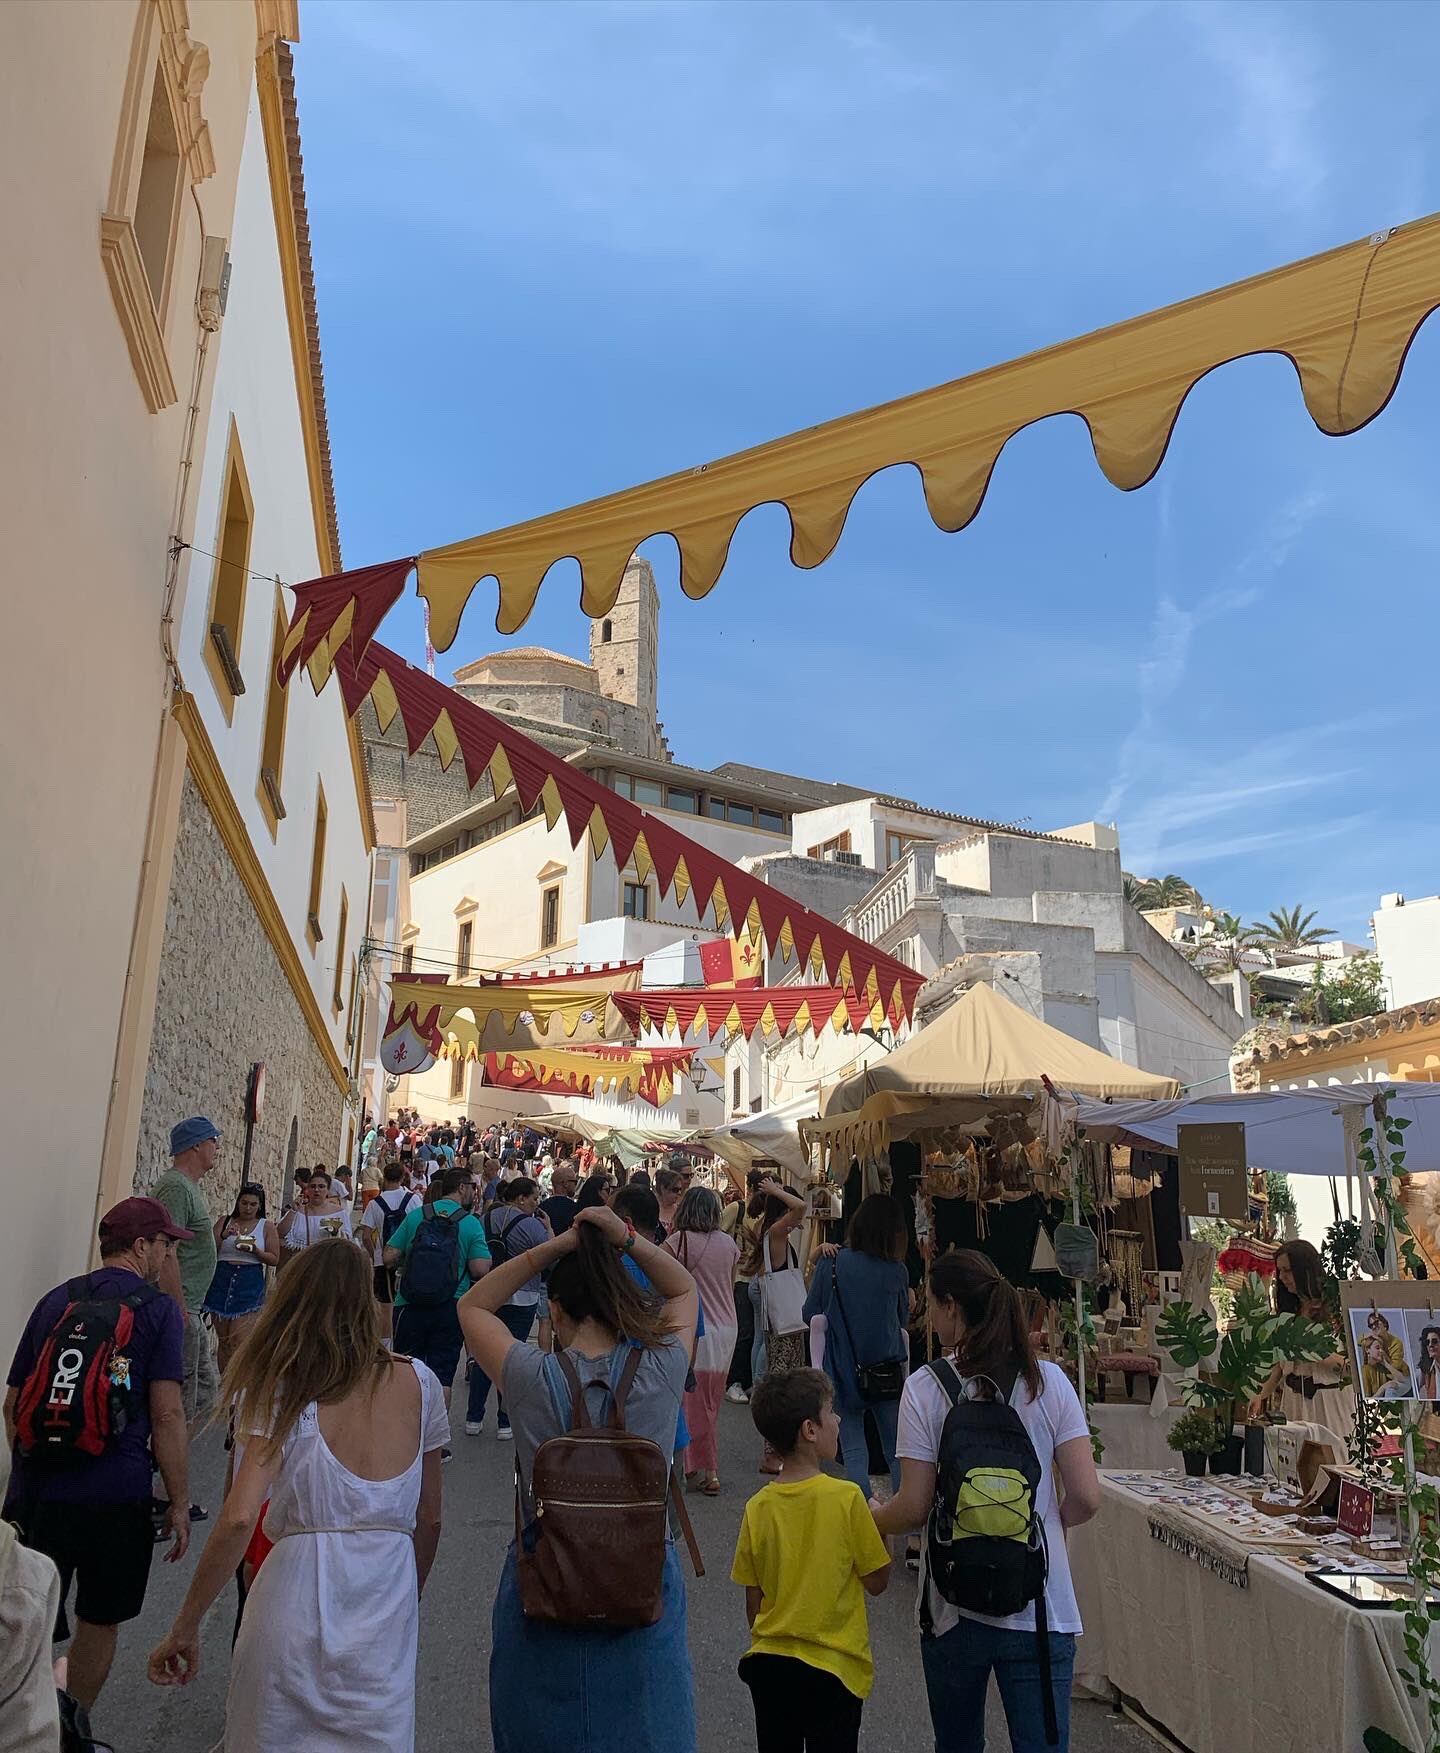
<point x="912" y="1555"/>
<point x="711" y="1486"/>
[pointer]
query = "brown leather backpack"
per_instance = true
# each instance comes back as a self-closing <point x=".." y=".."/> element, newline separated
<point x="595" y="1554"/>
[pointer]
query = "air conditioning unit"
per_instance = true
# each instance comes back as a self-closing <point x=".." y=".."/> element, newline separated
<point x="848" y="858"/>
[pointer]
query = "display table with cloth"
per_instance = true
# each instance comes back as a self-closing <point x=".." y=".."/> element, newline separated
<point x="1133" y="1435"/>
<point x="1277" y="1664"/>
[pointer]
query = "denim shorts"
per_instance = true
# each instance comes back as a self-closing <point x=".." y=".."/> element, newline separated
<point x="238" y="1288"/>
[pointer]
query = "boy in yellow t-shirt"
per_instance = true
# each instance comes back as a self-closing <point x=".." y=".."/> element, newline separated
<point x="808" y="1554"/>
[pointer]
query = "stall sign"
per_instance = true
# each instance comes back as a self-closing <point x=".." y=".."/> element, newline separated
<point x="1356" y="1514"/>
<point x="1213" y="1178"/>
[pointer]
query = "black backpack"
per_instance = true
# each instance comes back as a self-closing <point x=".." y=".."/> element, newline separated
<point x="985" y="1547"/>
<point x="432" y="1266"/>
<point x="499" y="1247"/>
<point x="392" y="1217"/>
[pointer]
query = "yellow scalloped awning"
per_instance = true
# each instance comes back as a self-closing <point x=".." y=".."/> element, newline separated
<point x="1345" y="319"/>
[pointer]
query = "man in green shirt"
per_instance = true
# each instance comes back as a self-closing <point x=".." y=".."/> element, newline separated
<point x="431" y="1331"/>
<point x="186" y="1273"/>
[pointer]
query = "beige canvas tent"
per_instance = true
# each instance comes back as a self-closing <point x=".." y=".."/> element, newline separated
<point x="982" y="1055"/>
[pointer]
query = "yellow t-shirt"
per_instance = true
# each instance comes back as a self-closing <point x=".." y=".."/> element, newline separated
<point x="805" y="1546"/>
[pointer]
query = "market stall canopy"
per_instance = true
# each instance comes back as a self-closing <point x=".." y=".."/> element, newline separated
<point x="775" y="1135"/>
<point x="1345" y="320"/>
<point x="981" y="1054"/>
<point x="740" y="902"/>
<point x="1288" y="1132"/>
<point x="633" y="1147"/>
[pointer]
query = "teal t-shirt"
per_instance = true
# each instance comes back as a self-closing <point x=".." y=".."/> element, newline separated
<point x="472" y="1243"/>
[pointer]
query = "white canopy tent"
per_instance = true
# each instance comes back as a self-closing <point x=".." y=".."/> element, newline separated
<point x="1289" y="1132"/>
<point x="775" y="1134"/>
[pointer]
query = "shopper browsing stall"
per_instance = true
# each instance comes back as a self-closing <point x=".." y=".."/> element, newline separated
<point x="1310" y="1393"/>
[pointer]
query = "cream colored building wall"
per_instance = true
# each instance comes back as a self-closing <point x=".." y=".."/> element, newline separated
<point x="502" y="876"/>
<point x="255" y="400"/>
<point x="87" y="483"/>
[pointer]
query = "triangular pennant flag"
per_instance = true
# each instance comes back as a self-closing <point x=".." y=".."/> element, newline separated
<point x="1042" y="1258"/>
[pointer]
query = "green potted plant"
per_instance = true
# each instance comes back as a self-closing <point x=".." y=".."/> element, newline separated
<point x="1195" y="1436"/>
<point x="1233" y="1367"/>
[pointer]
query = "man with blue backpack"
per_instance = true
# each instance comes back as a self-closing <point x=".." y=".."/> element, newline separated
<point x="440" y="1249"/>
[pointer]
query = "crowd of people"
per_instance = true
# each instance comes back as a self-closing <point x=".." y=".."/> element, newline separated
<point x="609" y="1316"/>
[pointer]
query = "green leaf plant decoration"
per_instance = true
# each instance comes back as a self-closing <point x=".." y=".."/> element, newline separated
<point x="1381" y="1156"/>
<point x="1234" y="1366"/>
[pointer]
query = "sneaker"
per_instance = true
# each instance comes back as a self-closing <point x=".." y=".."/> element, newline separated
<point x="445" y="1455"/>
<point x="473" y="1426"/>
<point x="504" y="1433"/>
<point x="736" y="1395"/>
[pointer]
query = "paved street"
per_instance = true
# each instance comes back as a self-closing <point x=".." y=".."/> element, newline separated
<point x="455" y="1631"/>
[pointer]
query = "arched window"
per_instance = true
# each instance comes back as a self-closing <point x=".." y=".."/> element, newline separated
<point x="604" y="632"/>
<point x="507" y="705"/>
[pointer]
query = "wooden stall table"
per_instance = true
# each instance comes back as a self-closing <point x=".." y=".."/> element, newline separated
<point x="1275" y="1666"/>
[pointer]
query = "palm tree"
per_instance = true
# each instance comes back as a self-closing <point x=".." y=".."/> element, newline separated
<point x="1227" y="947"/>
<point x="1133" y="889"/>
<point x="1289" y="930"/>
<point x="1168" y="891"/>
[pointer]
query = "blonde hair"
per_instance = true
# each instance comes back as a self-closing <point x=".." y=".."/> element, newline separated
<point x="316" y="1339"/>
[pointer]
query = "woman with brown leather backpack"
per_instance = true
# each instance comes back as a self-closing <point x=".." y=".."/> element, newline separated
<point x="592" y="1599"/>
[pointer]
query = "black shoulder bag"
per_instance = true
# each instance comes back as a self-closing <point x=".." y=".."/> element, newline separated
<point x="875" y="1381"/>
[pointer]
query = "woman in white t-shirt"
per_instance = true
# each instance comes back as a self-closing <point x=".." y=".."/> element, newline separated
<point x="982" y="1328"/>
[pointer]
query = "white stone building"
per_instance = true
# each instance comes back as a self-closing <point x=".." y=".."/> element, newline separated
<point x="1407" y="941"/>
<point x="167" y="459"/>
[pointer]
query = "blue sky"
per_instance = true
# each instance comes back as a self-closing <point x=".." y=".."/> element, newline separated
<point x="562" y="249"/>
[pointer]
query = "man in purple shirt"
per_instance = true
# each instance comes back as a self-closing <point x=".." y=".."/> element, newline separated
<point x="92" y="1516"/>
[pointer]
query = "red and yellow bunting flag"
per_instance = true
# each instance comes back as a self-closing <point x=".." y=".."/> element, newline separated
<point x="770" y="1009"/>
<point x="647" y="1073"/>
<point x="740" y="903"/>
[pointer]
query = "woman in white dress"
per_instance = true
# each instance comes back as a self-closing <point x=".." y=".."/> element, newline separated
<point x="344" y="1439"/>
<point x="320" y="1216"/>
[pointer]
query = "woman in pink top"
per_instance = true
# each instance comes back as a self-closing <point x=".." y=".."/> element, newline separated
<point x="709" y="1256"/>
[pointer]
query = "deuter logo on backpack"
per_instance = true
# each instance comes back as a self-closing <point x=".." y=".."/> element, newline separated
<point x="432" y="1266"/>
<point x="77" y="1397"/>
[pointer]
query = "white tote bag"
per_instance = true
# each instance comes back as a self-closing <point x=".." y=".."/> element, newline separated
<point x="782" y="1294"/>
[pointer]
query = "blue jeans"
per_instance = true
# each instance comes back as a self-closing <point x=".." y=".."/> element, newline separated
<point x="855" y="1451"/>
<point x="571" y="1689"/>
<point x="957" y="1674"/>
<point x="758" y="1348"/>
<point x="519" y="1318"/>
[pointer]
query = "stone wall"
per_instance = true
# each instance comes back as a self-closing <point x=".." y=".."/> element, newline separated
<point x="223" y="1002"/>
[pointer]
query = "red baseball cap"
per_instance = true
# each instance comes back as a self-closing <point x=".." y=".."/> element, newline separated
<point x="134" y="1220"/>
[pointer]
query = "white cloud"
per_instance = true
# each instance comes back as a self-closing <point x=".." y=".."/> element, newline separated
<point x="1163" y="666"/>
<point x="1275" y="144"/>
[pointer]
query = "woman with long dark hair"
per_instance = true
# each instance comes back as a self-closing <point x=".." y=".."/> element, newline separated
<point x="246" y="1242"/>
<point x="597" y="1190"/>
<point x="863" y="1291"/>
<point x="554" y="1687"/>
<point x="1310" y="1393"/>
<point x="982" y="1328"/>
<point x="345" y="1440"/>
